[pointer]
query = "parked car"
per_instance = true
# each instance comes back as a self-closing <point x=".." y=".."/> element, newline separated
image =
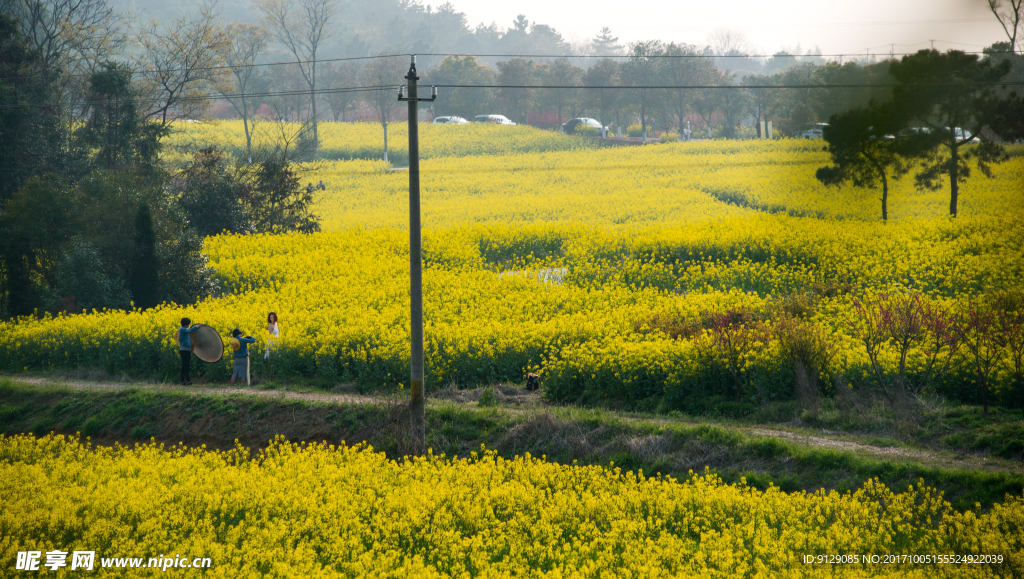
<point x="569" y="127"/>
<point x="816" y="132"/>
<point x="496" y="119"/>
<point x="965" y="136"/>
<point x="452" y="120"/>
<point x="961" y="135"/>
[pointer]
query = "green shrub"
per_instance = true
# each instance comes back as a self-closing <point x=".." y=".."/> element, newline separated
<point x="487" y="398"/>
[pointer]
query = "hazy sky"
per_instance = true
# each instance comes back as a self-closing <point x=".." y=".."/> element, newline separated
<point x="839" y="27"/>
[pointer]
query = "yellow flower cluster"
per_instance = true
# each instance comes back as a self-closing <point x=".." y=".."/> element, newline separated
<point x="324" y="511"/>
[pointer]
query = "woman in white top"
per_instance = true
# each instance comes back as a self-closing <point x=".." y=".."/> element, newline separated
<point x="274" y="332"/>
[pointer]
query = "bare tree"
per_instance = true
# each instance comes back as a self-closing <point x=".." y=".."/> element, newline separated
<point x="72" y="37"/>
<point x="336" y="78"/>
<point x="247" y="42"/>
<point x="1010" y="14"/>
<point x="301" y="26"/>
<point x="385" y="73"/>
<point x="182" y="63"/>
<point x="69" y="33"/>
<point x="287" y="81"/>
<point x="727" y="42"/>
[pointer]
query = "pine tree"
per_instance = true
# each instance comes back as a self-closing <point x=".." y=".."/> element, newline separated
<point x="605" y="44"/>
<point x="143" y="280"/>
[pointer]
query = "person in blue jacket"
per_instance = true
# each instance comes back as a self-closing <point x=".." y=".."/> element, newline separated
<point x="241" y="369"/>
<point x="184" y="339"/>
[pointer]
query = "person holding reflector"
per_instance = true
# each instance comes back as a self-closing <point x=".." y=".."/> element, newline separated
<point x="183" y="336"/>
<point x="201" y="340"/>
<point x="240" y="344"/>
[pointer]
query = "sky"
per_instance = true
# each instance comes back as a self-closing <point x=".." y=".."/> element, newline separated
<point x="836" y="27"/>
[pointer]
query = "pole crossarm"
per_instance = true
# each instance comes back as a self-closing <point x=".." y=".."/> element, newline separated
<point x="433" y="95"/>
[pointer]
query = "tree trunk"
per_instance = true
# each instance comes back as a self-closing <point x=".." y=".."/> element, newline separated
<point x="245" y="123"/>
<point x="954" y="172"/>
<point x="682" y="110"/>
<point x="385" y="124"/>
<point x="643" y="118"/>
<point x="1020" y="389"/>
<point x="312" y="101"/>
<point x="983" y="386"/>
<point x="885" y="198"/>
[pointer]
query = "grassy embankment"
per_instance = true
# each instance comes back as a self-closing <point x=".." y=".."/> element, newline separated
<point x="953" y="450"/>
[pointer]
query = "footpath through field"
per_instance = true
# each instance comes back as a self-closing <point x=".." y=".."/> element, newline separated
<point x="826" y="440"/>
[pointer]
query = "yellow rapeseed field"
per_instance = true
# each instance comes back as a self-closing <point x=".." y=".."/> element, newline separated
<point x="629" y="233"/>
<point x="324" y="511"/>
<point x="366" y="140"/>
<point x="542" y="253"/>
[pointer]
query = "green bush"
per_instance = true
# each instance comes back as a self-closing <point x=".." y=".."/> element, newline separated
<point x="487" y="398"/>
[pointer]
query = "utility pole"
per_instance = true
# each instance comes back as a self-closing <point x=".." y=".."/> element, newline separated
<point x="416" y="403"/>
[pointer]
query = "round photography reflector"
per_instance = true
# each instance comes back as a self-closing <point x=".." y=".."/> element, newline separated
<point x="207" y="344"/>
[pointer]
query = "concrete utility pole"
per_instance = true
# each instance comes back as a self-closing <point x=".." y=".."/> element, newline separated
<point x="416" y="404"/>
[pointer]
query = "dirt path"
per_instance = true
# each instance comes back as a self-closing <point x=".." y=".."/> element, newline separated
<point x="200" y="390"/>
<point x="464" y="398"/>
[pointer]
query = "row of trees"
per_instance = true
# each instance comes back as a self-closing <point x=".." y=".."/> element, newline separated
<point x="182" y="66"/>
<point x="649" y="63"/>
<point x="793" y="100"/>
<point x="653" y="63"/>
<point x="824" y="88"/>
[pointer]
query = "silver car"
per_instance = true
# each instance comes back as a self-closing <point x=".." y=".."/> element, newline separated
<point x="496" y="119"/>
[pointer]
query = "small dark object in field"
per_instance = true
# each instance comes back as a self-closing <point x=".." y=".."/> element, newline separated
<point x="532" y="382"/>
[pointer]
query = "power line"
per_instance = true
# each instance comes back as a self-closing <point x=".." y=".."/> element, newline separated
<point x="145" y="71"/>
<point x="135" y="71"/>
<point x="729" y="86"/>
<point x="394" y="87"/>
<point x="212" y="97"/>
<point x="780" y="55"/>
